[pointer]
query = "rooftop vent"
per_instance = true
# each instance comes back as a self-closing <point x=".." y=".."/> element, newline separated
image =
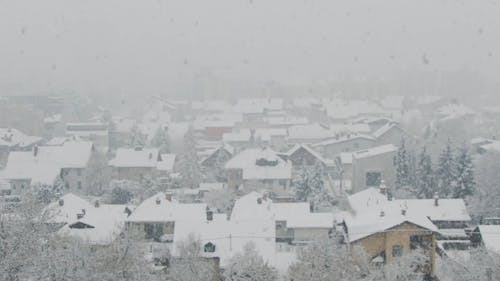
<point x="158" y="201"/>
<point x="61" y="202"/>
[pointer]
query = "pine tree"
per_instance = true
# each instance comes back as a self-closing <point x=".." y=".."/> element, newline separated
<point x="189" y="165"/>
<point x="425" y="181"/>
<point x="161" y="140"/>
<point x="136" y="138"/>
<point x="301" y="184"/>
<point x="465" y="182"/>
<point x="403" y="167"/>
<point x="446" y="171"/>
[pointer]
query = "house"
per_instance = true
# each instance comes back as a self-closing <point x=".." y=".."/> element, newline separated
<point x="391" y="133"/>
<point x="70" y="162"/>
<point x="98" y="224"/>
<point x="260" y="168"/>
<point x="96" y="132"/>
<point x="309" y="133"/>
<point x="218" y="156"/>
<point x="277" y="231"/>
<point x="487" y="236"/>
<point x="247" y="138"/>
<point x="348" y="143"/>
<point x="156" y="218"/>
<point x="12" y="140"/>
<point x="371" y="166"/>
<point x="302" y="155"/>
<point x="449" y="217"/>
<point x="139" y="163"/>
<point x="386" y="236"/>
<point x="66" y="209"/>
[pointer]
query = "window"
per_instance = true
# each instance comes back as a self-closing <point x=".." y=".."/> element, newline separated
<point x="13" y="186"/>
<point x="66" y="185"/>
<point x="22" y="186"/>
<point x="373" y="178"/>
<point x="79" y="184"/>
<point x="419" y="242"/>
<point x="209" y="247"/>
<point x="397" y="250"/>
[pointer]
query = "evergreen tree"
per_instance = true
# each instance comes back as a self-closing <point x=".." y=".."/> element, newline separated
<point x="189" y="165"/>
<point x="136" y="138"/>
<point x="446" y="171"/>
<point x="425" y="181"/>
<point x="402" y="161"/>
<point x="301" y="184"/>
<point x="465" y="182"/>
<point x="161" y="140"/>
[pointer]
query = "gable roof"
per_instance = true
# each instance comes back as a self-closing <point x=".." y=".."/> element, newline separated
<point x="167" y="211"/>
<point x="167" y="162"/>
<point x="490" y="235"/>
<point x="345" y="138"/>
<point x="311" y="151"/>
<point x="13" y="137"/>
<point x="386" y="128"/>
<point x="71" y="206"/>
<point x="247" y="161"/>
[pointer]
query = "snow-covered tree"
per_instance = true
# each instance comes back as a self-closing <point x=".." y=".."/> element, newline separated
<point x="486" y="198"/>
<point x="446" y="171"/>
<point x="425" y="181"/>
<point x="189" y="265"/>
<point x="249" y="266"/>
<point x="301" y="185"/>
<point x="310" y="186"/>
<point x="480" y="266"/>
<point x="161" y="140"/>
<point x="120" y="196"/>
<point x="465" y="182"/>
<point x="403" y="162"/>
<point x="189" y="165"/>
<point x="328" y="260"/>
<point x="136" y="137"/>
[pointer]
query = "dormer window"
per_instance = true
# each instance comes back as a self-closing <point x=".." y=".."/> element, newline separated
<point x="209" y="247"/>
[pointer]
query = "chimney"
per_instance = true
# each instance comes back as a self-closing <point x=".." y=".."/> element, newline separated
<point x="436" y="199"/>
<point x="61" y="202"/>
<point x="210" y="215"/>
<point x="128" y="211"/>
<point x="382" y="213"/>
<point x="35" y="150"/>
<point x="403" y="212"/>
<point x="259" y="201"/>
<point x="97" y="204"/>
<point x="158" y="201"/>
<point x="168" y="196"/>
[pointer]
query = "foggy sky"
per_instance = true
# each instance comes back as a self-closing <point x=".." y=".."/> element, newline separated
<point x="125" y="47"/>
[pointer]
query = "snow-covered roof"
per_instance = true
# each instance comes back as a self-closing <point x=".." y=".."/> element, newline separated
<point x="369" y="223"/>
<point x="384" y="129"/>
<point x="306" y="147"/>
<point x="46" y="164"/>
<point x="242" y="135"/>
<point x="372" y="199"/>
<point x="135" y="157"/>
<point x="374" y="151"/>
<point x="167" y="162"/>
<point x="71" y="206"/>
<point x="106" y="223"/>
<point x="247" y="161"/>
<point x="13" y="137"/>
<point x="167" y="211"/>
<point x="490" y="235"/>
<point x="345" y="138"/>
<point x="311" y="220"/>
<point x="310" y="131"/>
<point x="493" y="146"/>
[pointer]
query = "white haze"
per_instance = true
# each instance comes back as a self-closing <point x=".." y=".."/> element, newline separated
<point x="126" y="47"/>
